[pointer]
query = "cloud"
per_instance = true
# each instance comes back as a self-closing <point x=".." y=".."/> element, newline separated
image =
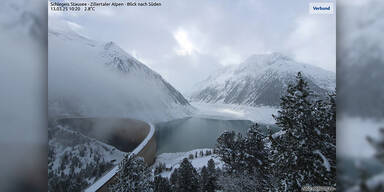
<point x="185" y="45"/>
<point x="202" y="36"/>
<point x="227" y="56"/>
<point x="74" y="26"/>
<point x="313" y="41"/>
<point x="77" y="28"/>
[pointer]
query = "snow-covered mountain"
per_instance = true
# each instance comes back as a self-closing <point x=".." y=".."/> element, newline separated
<point x="92" y="78"/>
<point x="260" y="80"/>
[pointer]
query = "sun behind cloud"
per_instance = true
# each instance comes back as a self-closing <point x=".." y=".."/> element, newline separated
<point x="185" y="45"/>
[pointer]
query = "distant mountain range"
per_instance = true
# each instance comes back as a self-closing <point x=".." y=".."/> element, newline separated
<point x="261" y="80"/>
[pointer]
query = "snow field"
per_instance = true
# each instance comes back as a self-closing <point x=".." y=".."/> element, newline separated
<point x="174" y="159"/>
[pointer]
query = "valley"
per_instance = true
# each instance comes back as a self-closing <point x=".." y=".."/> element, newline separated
<point x="111" y="97"/>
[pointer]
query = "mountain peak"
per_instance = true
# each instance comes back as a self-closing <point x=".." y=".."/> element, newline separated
<point x="109" y="45"/>
<point x="259" y="61"/>
<point x="127" y="86"/>
<point x="268" y="55"/>
<point x="115" y="50"/>
<point x="112" y="46"/>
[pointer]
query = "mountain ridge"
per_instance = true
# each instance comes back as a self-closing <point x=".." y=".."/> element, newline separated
<point x="260" y="80"/>
<point x="104" y="80"/>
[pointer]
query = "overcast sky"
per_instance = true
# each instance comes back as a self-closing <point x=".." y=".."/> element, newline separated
<point x="186" y="40"/>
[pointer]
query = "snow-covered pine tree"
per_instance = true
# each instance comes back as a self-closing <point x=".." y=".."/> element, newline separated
<point x="204" y="177"/>
<point x="245" y="156"/>
<point x="257" y="157"/>
<point x="173" y="178"/>
<point x="325" y="117"/>
<point x="211" y="167"/>
<point x="161" y="184"/>
<point x="254" y="147"/>
<point x="133" y="176"/>
<point x="243" y="153"/>
<point x="239" y="182"/>
<point x="299" y="149"/>
<point x="211" y="184"/>
<point x="188" y="178"/>
<point x="230" y="150"/>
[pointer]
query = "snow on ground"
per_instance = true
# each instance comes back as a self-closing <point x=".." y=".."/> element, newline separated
<point x="89" y="145"/>
<point x="174" y="159"/>
<point x="352" y="135"/>
<point x="260" y="114"/>
<point x="71" y="151"/>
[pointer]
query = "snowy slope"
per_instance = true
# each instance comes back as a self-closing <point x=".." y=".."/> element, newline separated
<point x="75" y="160"/>
<point x="92" y="78"/>
<point x="260" y="80"/>
<point x="173" y="160"/>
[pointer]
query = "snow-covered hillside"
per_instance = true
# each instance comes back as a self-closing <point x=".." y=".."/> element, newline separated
<point x="173" y="160"/>
<point x="92" y="78"/>
<point x="75" y="160"/>
<point x="260" y="80"/>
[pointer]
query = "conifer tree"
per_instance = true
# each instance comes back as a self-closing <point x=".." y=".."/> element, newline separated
<point x="211" y="167"/>
<point x="161" y="184"/>
<point x="257" y="157"/>
<point x="325" y="117"/>
<point x="299" y="149"/>
<point x="230" y="150"/>
<point x="256" y="154"/>
<point x="246" y="156"/>
<point x="204" y="177"/>
<point x="188" y="178"/>
<point x="174" y="176"/>
<point x="211" y="184"/>
<point x="133" y="176"/>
